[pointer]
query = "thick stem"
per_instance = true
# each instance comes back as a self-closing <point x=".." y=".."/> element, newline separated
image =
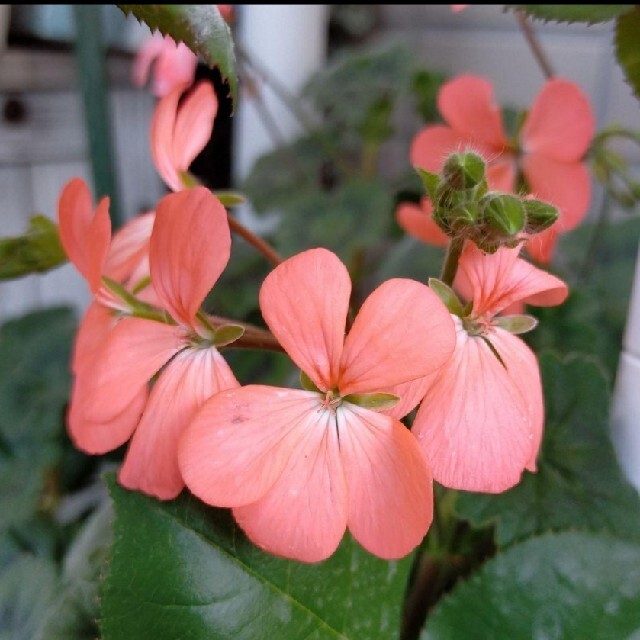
<point x="534" y="45"/>
<point x="255" y="241"/>
<point x="450" y="266"/>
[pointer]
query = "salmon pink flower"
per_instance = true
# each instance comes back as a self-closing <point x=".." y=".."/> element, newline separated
<point x="189" y="248"/>
<point x="180" y="130"/>
<point x="86" y="237"/>
<point x="548" y="152"/>
<point x="480" y="423"/>
<point x="300" y="466"/>
<point x="173" y="64"/>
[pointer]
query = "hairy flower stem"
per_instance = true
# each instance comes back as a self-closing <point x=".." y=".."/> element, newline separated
<point x="255" y="241"/>
<point x="450" y="266"/>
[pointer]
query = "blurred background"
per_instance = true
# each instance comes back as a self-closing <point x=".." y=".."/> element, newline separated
<point x="44" y="132"/>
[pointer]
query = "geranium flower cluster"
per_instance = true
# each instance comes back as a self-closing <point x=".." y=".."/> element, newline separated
<point x="298" y="467"/>
<point x="545" y="157"/>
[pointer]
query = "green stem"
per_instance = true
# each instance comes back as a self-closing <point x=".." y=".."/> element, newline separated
<point x="450" y="267"/>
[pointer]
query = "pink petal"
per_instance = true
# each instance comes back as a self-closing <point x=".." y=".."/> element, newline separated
<point x="410" y="394"/>
<point x="390" y="486"/>
<point x="418" y="222"/>
<point x="94" y="329"/>
<point x="176" y="65"/>
<point x="145" y="56"/>
<point x="565" y="185"/>
<point x="96" y="437"/>
<point x="305" y="301"/>
<point x="194" y="124"/>
<point x="496" y="281"/>
<point x="85" y="235"/>
<point x="476" y="425"/>
<point x="560" y="124"/>
<point x="402" y="332"/>
<point x="135" y="350"/>
<point x="190" y="247"/>
<point x="304" y="514"/>
<point x="129" y="248"/>
<point x="501" y="173"/>
<point x="162" y="136"/>
<point x="240" y="442"/>
<point x="151" y="463"/>
<point x="468" y="106"/>
<point x="541" y="246"/>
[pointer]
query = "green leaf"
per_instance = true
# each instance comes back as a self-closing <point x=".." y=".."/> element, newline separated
<point x="199" y="26"/>
<point x="569" y="586"/>
<point x="349" y="219"/>
<point x="373" y="401"/>
<point x="425" y="86"/>
<point x="589" y="13"/>
<point x="75" y="608"/>
<point x="578" y="483"/>
<point x="628" y="47"/>
<point x="27" y="587"/>
<point x="347" y="90"/>
<point x="181" y="570"/>
<point x="37" y="251"/>
<point x="34" y="389"/>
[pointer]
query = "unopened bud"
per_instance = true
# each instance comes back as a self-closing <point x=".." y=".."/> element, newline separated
<point x="503" y="213"/>
<point x="463" y="171"/>
<point x="463" y="215"/>
<point x="540" y="215"/>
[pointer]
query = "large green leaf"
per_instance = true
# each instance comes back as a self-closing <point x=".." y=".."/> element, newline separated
<point x="568" y="586"/>
<point x="578" y="483"/>
<point x="72" y="614"/>
<point x="34" y="388"/>
<point x="589" y="13"/>
<point x="180" y="570"/>
<point x="199" y="26"/>
<point x="628" y="47"/>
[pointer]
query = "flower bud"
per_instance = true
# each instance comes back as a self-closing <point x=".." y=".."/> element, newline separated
<point x="540" y="215"/>
<point x="463" y="171"/>
<point x="503" y="213"/>
<point x="463" y="215"/>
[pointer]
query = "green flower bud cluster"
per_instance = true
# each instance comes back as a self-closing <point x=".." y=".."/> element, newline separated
<point x="464" y="206"/>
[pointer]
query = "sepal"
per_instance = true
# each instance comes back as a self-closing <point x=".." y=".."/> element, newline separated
<point x="516" y="324"/>
<point x="373" y="401"/>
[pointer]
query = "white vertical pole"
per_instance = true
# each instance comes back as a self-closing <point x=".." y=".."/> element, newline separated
<point x="626" y="397"/>
<point x="291" y="42"/>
